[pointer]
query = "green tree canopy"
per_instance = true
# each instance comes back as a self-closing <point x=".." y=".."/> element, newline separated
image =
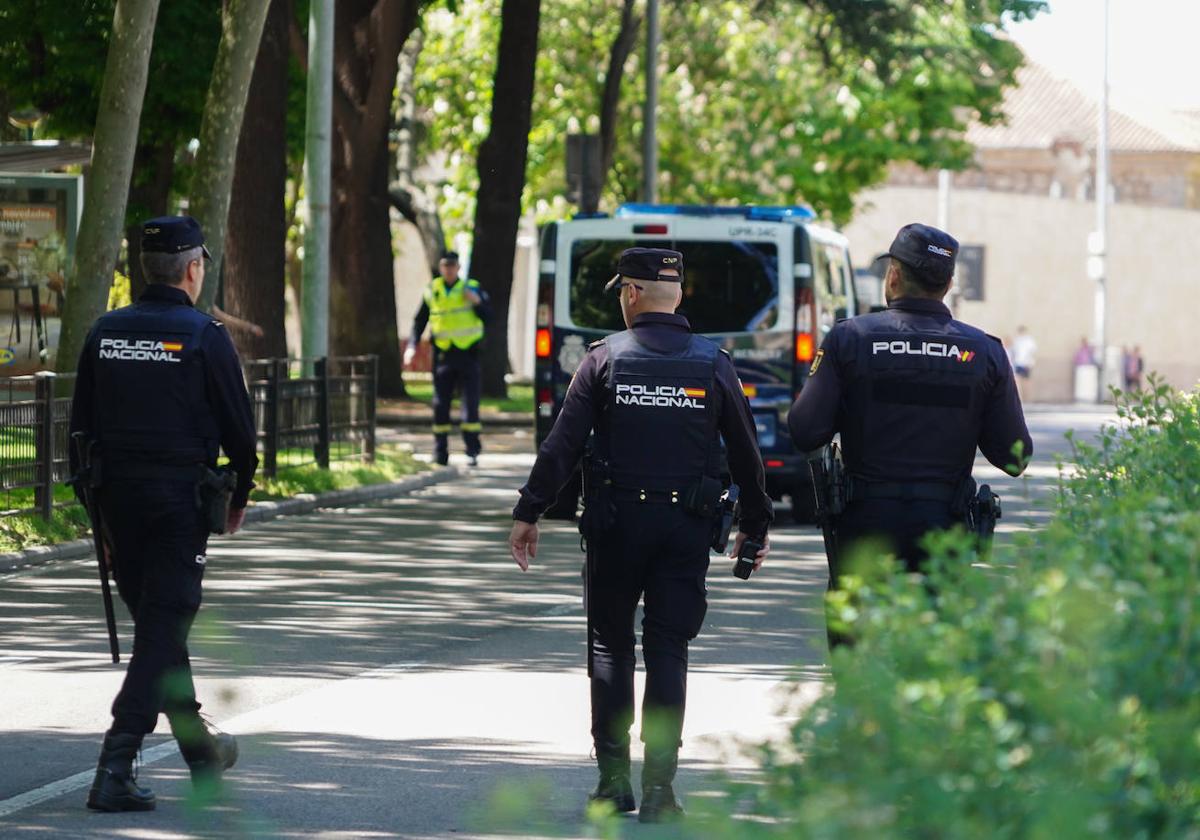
<point x="761" y="101"/>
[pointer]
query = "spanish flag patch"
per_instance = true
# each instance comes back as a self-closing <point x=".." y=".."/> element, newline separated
<point x="695" y="392"/>
<point x="171" y="346"/>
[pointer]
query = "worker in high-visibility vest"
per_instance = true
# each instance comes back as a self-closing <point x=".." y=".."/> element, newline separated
<point x="456" y="311"/>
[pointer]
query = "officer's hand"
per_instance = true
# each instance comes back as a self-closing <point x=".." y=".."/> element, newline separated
<point x="233" y="522"/>
<point x="762" y="554"/>
<point x="410" y="353"/>
<point x="523" y="539"/>
<point x="472" y="296"/>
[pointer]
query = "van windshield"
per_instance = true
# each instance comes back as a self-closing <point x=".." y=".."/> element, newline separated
<point x="728" y="286"/>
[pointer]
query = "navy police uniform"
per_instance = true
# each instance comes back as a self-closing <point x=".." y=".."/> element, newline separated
<point x="159" y="389"/>
<point x="913" y="393"/>
<point x="659" y="400"/>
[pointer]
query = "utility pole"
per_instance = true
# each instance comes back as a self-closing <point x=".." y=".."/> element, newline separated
<point x="650" y="108"/>
<point x="318" y="125"/>
<point x="1098" y="242"/>
<point x="945" y="181"/>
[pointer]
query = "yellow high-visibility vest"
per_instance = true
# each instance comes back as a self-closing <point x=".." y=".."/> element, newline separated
<point x="452" y="318"/>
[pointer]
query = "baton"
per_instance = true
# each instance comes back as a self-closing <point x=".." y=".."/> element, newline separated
<point x="83" y="449"/>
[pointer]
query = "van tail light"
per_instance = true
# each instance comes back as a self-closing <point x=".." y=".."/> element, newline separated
<point x="804" y="347"/>
<point x="542" y="344"/>
<point x="545" y="402"/>
<point x="773" y="464"/>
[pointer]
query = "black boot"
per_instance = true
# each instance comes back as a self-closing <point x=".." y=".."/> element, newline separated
<point x="115" y="787"/>
<point x="658" y="796"/>
<point x="615" y="785"/>
<point x="208" y="751"/>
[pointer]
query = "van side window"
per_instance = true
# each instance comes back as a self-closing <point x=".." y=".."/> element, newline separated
<point x="831" y="274"/>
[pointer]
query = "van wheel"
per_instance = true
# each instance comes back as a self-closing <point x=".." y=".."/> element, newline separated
<point x="804" y="506"/>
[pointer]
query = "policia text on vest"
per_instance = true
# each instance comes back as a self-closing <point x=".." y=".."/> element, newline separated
<point x="456" y="311"/>
<point x="655" y="402"/>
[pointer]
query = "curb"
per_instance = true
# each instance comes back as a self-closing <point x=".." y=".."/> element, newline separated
<point x="259" y="512"/>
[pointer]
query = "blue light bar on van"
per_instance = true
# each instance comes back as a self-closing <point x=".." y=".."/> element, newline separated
<point x="762" y="214"/>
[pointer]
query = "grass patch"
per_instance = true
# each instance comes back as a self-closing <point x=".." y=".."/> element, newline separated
<point x="70" y="522"/>
<point x="65" y="524"/>
<point x="519" y="401"/>
<point x="390" y="465"/>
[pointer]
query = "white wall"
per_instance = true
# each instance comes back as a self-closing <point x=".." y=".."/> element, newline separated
<point x="1035" y="274"/>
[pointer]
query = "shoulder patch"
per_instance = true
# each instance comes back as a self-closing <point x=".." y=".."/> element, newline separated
<point x="725" y="353"/>
<point x="216" y="323"/>
<point x="842" y="320"/>
<point x="597" y="343"/>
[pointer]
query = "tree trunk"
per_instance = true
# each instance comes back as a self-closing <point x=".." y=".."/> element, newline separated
<point x="610" y="96"/>
<point x="241" y="31"/>
<point x="255" y="268"/>
<point x="114" y="142"/>
<point x="149" y="195"/>
<point x="502" y="158"/>
<point x="368" y="37"/>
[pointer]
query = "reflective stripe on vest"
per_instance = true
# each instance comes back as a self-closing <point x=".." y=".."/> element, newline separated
<point x="452" y="318"/>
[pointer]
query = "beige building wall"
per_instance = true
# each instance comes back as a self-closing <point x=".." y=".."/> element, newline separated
<point x="1035" y="273"/>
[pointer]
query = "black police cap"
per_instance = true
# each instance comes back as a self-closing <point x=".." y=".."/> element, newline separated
<point x="926" y="249"/>
<point x="648" y="264"/>
<point x="450" y="257"/>
<point x="172" y="235"/>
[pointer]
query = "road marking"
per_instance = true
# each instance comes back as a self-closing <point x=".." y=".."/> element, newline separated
<point x="76" y="782"/>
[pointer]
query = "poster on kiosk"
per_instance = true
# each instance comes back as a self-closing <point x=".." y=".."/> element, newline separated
<point x="39" y="219"/>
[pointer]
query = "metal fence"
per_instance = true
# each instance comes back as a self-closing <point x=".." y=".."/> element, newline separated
<point x="305" y="412"/>
<point x="313" y="411"/>
<point x="35" y="412"/>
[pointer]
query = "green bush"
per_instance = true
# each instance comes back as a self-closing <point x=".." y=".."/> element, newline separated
<point x="1051" y="693"/>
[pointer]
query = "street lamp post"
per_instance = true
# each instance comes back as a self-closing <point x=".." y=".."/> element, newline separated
<point x="650" y="108"/>
<point x="1098" y="242"/>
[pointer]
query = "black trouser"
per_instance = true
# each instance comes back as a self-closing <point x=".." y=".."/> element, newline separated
<point x="892" y="525"/>
<point x="158" y="543"/>
<point x="659" y="552"/>
<point x="452" y="369"/>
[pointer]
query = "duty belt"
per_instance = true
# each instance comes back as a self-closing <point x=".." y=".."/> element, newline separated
<point x="149" y="471"/>
<point x="861" y="490"/>
<point x="633" y="494"/>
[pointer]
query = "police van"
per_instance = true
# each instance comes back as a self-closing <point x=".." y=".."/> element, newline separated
<point x="766" y="283"/>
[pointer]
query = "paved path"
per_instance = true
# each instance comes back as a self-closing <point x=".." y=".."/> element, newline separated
<point x="390" y="672"/>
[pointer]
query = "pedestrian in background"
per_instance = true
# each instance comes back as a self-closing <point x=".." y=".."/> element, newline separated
<point x="913" y="393"/>
<point x="159" y="391"/>
<point x="1133" y="367"/>
<point x="1024" y="357"/>
<point x="456" y="312"/>
<point x="660" y="400"/>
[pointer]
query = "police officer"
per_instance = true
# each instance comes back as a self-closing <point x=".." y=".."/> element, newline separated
<point x="159" y="389"/>
<point x="657" y="398"/>
<point x="913" y="392"/>
<point x="456" y="312"/>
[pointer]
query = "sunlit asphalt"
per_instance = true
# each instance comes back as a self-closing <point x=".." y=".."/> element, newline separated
<point x="390" y="673"/>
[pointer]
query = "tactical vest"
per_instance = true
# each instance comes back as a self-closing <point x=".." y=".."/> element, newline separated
<point x="915" y="401"/>
<point x="452" y="318"/>
<point x="151" y="400"/>
<point x="659" y="429"/>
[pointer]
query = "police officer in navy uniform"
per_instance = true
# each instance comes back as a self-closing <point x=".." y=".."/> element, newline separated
<point x="913" y="393"/>
<point x="659" y="400"/>
<point x="159" y="390"/>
